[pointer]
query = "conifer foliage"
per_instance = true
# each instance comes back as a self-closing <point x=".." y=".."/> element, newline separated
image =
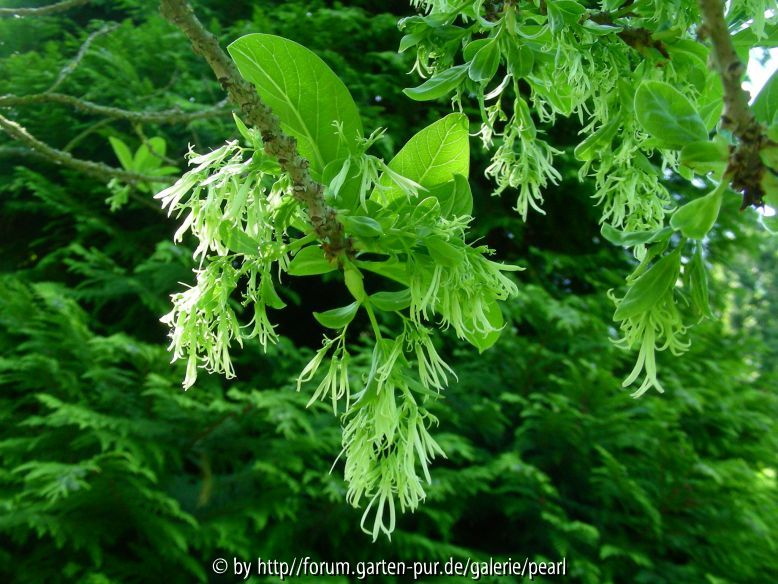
<point x="394" y="372"/>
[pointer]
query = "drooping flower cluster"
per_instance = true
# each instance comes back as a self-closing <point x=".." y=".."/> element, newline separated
<point x="636" y="77"/>
<point x="231" y="201"/>
<point x="251" y="235"/>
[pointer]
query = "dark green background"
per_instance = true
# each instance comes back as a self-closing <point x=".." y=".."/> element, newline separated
<point x="110" y="473"/>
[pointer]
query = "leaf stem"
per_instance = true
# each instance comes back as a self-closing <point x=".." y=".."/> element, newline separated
<point x="373" y="321"/>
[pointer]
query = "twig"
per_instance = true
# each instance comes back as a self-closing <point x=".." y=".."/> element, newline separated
<point x="171" y="116"/>
<point x="78" y="138"/>
<point x="71" y="66"/>
<point x="19" y="152"/>
<point x="42" y="10"/>
<point x="277" y="143"/>
<point x="96" y="169"/>
<point x="745" y="164"/>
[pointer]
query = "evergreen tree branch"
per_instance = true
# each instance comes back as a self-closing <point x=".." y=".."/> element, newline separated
<point x="71" y="65"/>
<point x="42" y="10"/>
<point x="171" y="116"/>
<point x="89" y="167"/>
<point x="277" y="143"/>
<point x="745" y="164"/>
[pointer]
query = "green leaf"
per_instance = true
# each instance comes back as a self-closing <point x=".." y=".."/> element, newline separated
<point x="455" y="197"/>
<point x="711" y="101"/>
<point x="433" y="156"/>
<point x="148" y="156"/>
<point x="769" y="184"/>
<point x="303" y="92"/>
<point x="563" y="12"/>
<point x="559" y="93"/>
<point x="484" y="65"/>
<point x="237" y="240"/>
<point x="443" y="252"/>
<point x="355" y="282"/>
<point x="243" y="129"/>
<point x="392" y="269"/>
<point x="469" y="52"/>
<point x="122" y="152"/>
<point x="690" y="59"/>
<point x="309" y="261"/>
<point x="391" y="301"/>
<point x="521" y="59"/>
<point x="438" y="85"/>
<point x="601" y="139"/>
<point x="633" y="238"/>
<point x="410" y="40"/>
<point x="746" y="39"/>
<point x="269" y="294"/>
<point x="698" y="284"/>
<point x="601" y="29"/>
<point x="769" y="155"/>
<point x="696" y="218"/>
<point x="666" y="114"/>
<point x="483" y="341"/>
<point x="427" y="211"/>
<point x="705" y="156"/>
<point x="337" y="318"/>
<point x="649" y="288"/>
<point x="361" y="226"/>
<point x="765" y="105"/>
<point x="344" y="181"/>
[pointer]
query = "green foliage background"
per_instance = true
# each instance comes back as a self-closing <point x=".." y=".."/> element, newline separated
<point x="110" y="473"/>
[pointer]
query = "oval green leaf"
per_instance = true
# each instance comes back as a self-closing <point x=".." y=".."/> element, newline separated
<point x="633" y="238"/>
<point x="696" y="218"/>
<point x="303" y="92"/>
<point x="649" y="288"/>
<point x="485" y="62"/>
<point x="698" y="284"/>
<point x="484" y="341"/>
<point x="391" y="301"/>
<point x="443" y="252"/>
<point x="432" y="157"/>
<point x="705" y="156"/>
<point x="309" y="261"/>
<point x="455" y="197"/>
<point x="337" y="318"/>
<point x="438" y="85"/>
<point x="765" y="105"/>
<point x="666" y="114"/>
<point x="361" y="226"/>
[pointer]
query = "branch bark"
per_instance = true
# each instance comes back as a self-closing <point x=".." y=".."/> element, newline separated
<point x="42" y="10"/>
<point x="95" y="169"/>
<point x="277" y="143"/>
<point x="745" y="164"/>
<point x="171" y="116"/>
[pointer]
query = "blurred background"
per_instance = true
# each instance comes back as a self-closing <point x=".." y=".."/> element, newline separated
<point x="109" y="472"/>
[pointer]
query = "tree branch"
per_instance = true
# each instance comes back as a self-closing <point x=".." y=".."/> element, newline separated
<point x="71" y="66"/>
<point x="745" y="164"/>
<point x="95" y="169"/>
<point x="277" y="143"/>
<point x="42" y="10"/>
<point x="171" y="116"/>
